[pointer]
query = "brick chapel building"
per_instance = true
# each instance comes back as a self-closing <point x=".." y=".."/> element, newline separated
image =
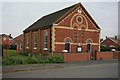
<point x="71" y="29"/>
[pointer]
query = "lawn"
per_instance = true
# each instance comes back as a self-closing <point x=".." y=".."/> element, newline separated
<point x="24" y="58"/>
<point x="12" y="53"/>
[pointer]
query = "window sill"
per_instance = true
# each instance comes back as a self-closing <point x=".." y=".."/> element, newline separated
<point x="27" y="47"/>
<point x="35" y="48"/>
<point x="45" y="49"/>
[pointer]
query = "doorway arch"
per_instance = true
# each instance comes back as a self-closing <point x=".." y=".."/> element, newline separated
<point x="89" y="46"/>
<point x="67" y="44"/>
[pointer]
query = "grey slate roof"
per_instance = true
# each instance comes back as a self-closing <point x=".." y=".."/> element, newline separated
<point x="48" y="20"/>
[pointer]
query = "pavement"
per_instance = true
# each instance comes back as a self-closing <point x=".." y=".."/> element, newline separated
<point x="21" y="68"/>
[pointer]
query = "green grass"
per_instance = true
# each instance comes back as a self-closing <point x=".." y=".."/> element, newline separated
<point x="13" y="56"/>
<point x="12" y="53"/>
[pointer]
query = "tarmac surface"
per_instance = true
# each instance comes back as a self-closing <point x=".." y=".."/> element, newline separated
<point x="82" y="69"/>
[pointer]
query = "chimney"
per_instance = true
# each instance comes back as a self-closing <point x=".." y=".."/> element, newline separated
<point x="9" y="34"/>
<point x="101" y="40"/>
<point x="115" y="37"/>
<point x="106" y="37"/>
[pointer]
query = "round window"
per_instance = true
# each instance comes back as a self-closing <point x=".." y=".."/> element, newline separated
<point x="79" y="19"/>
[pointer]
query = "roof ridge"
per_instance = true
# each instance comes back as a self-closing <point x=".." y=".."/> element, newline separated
<point x="48" y="20"/>
<point x="53" y="13"/>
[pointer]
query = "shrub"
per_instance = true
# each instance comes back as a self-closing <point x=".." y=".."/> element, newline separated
<point x="25" y="53"/>
<point x="16" y="60"/>
<point x="106" y="48"/>
<point x="12" y="61"/>
<point x="32" y="60"/>
<point x="6" y="62"/>
<point x="26" y="58"/>
<point x="56" y="59"/>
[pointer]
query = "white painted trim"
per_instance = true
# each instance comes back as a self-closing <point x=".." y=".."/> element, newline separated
<point x="63" y="27"/>
<point x="69" y="38"/>
<point x="90" y="19"/>
<point x="77" y="14"/>
<point x="45" y="48"/>
<point x="76" y="43"/>
<point x="81" y="19"/>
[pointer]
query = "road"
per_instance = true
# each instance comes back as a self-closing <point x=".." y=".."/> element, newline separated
<point x="106" y="70"/>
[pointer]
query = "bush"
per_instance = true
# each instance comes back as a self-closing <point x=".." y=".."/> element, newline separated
<point x="25" y="53"/>
<point x="12" y="61"/>
<point x="6" y="62"/>
<point x="32" y="60"/>
<point x="106" y="48"/>
<point x="56" y="59"/>
<point x="26" y="58"/>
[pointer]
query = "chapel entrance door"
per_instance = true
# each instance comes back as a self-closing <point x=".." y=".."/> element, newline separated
<point x="88" y="47"/>
<point x="67" y="45"/>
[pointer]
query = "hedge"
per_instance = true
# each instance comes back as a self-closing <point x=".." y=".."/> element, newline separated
<point x="25" y="58"/>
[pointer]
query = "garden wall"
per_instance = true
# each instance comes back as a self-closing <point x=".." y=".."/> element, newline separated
<point x="74" y="57"/>
<point x="106" y="55"/>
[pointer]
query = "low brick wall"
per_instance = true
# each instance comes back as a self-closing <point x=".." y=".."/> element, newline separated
<point x="116" y="55"/>
<point x="106" y="55"/>
<point x="74" y="57"/>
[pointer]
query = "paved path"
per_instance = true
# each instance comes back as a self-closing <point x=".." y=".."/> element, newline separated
<point x="9" y="69"/>
<point x="93" y="69"/>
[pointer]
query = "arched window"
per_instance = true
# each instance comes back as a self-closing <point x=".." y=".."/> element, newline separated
<point x="27" y="43"/>
<point x="89" y="41"/>
<point x="75" y="34"/>
<point x="35" y="40"/>
<point x="83" y="34"/>
<point x="67" y="40"/>
<point x="67" y="44"/>
<point x="89" y="46"/>
<point x="20" y="45"/>
<point x="45" y="40"/>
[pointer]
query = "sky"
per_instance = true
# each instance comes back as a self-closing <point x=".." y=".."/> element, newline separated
<point x="17" y="16"/>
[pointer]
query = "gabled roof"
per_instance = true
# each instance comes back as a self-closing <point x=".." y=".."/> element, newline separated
<point x="50" y="19"/>
<point x="19" y="38"/>
<point x="117" y="41"/>
<point x="9" y="36"/>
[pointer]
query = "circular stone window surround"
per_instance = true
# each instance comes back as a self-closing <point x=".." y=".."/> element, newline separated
<point x="81" y="19"/>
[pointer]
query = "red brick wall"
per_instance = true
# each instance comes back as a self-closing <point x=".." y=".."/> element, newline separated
<point x="66" y="21"/>
<point x="61" y="34"/>
<point x="116" y="55"/>
<point x="74" y="57"/>
<point x="40" y="41"/>
<point x="18" y="47"/>
<point x="104" y="55"/>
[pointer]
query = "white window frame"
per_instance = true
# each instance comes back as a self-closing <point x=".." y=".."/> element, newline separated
<point x="45" y="40"/>
<point x="20" y="45"/>
<point x="35" y="40"/>
<point x="27" y="43"/>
